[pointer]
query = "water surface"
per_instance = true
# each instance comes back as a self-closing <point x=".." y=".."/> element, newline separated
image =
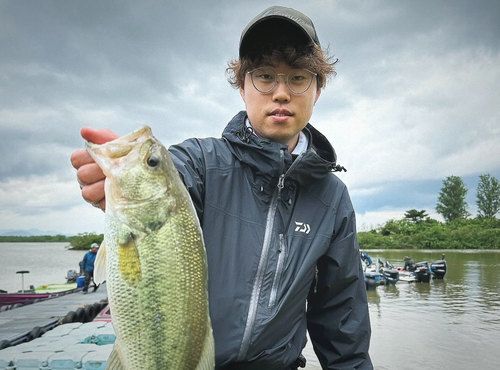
<point x="445" y="324"/>
<point x="47" y="263"/>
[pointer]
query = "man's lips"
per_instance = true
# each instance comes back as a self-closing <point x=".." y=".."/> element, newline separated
<point x="280" y="112"/>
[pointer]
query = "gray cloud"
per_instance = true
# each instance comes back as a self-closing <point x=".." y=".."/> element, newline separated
<point x="414" y="99"/>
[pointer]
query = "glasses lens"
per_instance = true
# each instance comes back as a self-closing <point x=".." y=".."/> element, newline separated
<point x="299" y="80"/>
<point x="264" y="79"/>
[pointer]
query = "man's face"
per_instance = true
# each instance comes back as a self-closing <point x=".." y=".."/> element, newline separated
<point x="94" y="250"/>
<point x="279" y="115"/>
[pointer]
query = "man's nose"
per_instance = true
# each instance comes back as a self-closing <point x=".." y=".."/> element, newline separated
<point x="281" y="93"/>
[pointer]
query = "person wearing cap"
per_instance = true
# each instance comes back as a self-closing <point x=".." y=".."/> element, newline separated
<point x="87" y="265"/>
<point x="278" y="224"/>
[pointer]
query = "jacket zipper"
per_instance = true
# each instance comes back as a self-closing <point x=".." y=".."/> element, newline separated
<point x="279" y="271"/>
<point x="261" y="269"/>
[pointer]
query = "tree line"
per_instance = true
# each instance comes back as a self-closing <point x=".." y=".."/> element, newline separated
<point x="78" y="242"/>
<point x="459" y="231"/>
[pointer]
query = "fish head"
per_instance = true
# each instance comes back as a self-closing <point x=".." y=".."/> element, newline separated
<point x="140" y="178"/>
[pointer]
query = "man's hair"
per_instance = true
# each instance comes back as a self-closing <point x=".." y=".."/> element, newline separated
<point x="309" y="57"/>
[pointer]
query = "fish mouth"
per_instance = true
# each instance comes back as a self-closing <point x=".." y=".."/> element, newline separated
<point x="112" y="154"/>
<point x="121" y="146"/>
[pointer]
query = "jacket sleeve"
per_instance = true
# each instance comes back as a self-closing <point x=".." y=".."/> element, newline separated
<point x="84" y="262"/>
<point x="337" y="315"/>
<point x="189" y="160"/>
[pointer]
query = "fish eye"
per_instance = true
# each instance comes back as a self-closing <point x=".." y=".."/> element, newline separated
<point x="153" y="161"/>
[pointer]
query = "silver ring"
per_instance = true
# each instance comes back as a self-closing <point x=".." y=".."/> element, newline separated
<point x="96" y="205"/>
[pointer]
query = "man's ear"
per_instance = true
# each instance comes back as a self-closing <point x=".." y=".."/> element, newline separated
<point x="242" y="93"/>
<point x="318" y="93"/>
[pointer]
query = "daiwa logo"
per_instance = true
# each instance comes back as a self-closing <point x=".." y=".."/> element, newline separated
<point x="302" y="227"/>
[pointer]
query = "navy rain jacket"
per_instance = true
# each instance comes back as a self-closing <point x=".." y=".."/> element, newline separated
<point x="88" y="261"/>
<point x="278" y="234"/>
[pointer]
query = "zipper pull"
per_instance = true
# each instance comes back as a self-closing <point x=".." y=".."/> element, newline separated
<point x="281" y="180"/>
<point x="280" y="248"/>
<point x="281" y="184"/>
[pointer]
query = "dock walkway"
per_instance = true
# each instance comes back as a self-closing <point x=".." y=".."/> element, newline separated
<point x="68" y="346"/>
<point x="20" y="321"/>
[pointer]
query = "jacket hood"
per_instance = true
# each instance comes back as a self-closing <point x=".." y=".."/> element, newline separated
<point x="263" y="155"/>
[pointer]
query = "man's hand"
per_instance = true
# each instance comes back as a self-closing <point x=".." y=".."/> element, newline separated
<point x="89" y="174"/>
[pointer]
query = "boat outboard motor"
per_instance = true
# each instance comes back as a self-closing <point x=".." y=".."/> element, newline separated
<point x="71" y="276"/>
<point x="438" y="268"/>
<point x="390" y="276"/>
<point x="422" y="271"/>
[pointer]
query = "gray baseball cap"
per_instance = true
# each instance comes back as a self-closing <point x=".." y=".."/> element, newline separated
<point x="280" y="23"/>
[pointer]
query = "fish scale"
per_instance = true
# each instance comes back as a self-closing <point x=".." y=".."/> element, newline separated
<point x="154" y="258"/>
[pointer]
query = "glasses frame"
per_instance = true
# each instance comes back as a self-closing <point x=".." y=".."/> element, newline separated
<point x="276" y="82"/>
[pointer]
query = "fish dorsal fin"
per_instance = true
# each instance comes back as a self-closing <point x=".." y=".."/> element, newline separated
<point x="100" y="265"/>
<point x="115" y="361"/>
<point x="207" y="360"/>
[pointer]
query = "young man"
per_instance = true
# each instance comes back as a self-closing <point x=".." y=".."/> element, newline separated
<point x="278" y="225"/>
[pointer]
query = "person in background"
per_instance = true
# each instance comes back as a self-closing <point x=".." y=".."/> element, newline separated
<point x="278" y="224"/>
<point x="88" y="267"/>
<point x="409" y="264"/>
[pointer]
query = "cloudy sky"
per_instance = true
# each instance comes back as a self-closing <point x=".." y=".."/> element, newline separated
<point x="416" y="98"/>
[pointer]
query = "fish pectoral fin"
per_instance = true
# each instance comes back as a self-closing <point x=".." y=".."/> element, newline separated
<point x="100" y="265"/>
<point x="129" y="262"/>
<point x="114" y="361"/>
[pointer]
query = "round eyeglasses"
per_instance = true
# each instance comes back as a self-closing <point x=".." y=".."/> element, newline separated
<point x="265" y="79"/>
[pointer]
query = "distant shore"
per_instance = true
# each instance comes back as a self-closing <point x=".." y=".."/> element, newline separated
<point x="35" y="239"/>
<point x="78" y="242"/>
<point x="479" y="234"/>
<point x="431" y="234"/>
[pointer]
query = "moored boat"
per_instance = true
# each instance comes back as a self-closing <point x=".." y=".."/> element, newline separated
<point x="33" y="294"/>
<point x="371" y="274"/>
<point x="419" y="272"/>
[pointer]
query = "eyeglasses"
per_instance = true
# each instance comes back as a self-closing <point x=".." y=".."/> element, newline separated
<point x="265" y="80"/>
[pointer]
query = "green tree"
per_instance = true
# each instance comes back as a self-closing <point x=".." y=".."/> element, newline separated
<point x="84" y="240"/>
<point x="416" y="216"/>
<point x="451" y="201"/>
<point x="488" y="196"/>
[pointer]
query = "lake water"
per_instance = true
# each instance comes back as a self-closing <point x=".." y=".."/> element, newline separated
<point x="445" y="324"/>
<point x="47" y="263"/>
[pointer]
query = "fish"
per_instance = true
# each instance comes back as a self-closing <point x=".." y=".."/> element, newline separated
<point x="153" y="259"/>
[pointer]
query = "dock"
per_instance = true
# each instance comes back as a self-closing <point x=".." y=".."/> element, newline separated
<point x="74" y="345"/>
<point x="18" y="323"/>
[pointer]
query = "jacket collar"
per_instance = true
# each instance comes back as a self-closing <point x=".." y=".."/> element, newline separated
<point x="264" y="157"/>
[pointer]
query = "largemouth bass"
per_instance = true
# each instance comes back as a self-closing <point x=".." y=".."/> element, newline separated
<point x="153" y="259"/>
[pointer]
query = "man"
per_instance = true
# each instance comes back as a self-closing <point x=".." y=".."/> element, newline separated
<point x="88" y="267"/>
<point x="278" y="225"/>
<point x="409" y="264"/>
